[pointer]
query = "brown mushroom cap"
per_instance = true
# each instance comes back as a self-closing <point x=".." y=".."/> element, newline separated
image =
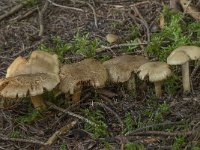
<point x="177" y="58"/>
<point x="39" y="62"/>
<point x="16" y="65"/>
<point x="193" y="52"/>
<point x="156" y="71"/>
<point x="27" y="84"/>
<point x="86" y="71"/>
<point x="120" y="68"/>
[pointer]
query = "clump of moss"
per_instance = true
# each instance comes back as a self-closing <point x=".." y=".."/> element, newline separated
<point x="177" y="31"/>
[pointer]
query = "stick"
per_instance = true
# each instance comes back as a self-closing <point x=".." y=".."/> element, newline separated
<point x="71" y="114"/>
<point x="12" y="11"/>
<point x="41" y="14"/>
<point x="32" y="141"/>
<point x="104" y="48"/>
<point x="59" y="132"/>
<point x="142" y="20"/>
<point x="93" y="10"/>
<point x="152" y="126"/>
<point x="65" y="7"/>
<point x="163" y="133"/>
<point x="27" y="14"/>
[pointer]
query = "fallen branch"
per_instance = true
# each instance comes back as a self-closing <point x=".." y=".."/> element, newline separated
<point x="59" y="132"/>
<point x="71" y="113"/>
<point x="32" y="141"/>
<point x="12" y="11"/>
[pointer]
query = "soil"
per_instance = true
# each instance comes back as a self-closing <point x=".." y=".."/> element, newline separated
<point x="19" y="36"/>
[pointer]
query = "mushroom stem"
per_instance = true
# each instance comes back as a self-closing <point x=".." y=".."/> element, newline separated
<point x="186" y="77"/>
<point x="38" y="102"/>
<point x="158" y="88"/>
<point x="76" y="97"/>
<point x="131" y="86"/>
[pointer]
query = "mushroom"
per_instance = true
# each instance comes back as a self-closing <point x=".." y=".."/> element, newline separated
<point x="157" y="72"/>
<point x="31" y="77"/>
<point x="111" y="38"/>
<point x="86" y="72"/>
<point x="122" y="69"/>
<point x="181" y="56"/>
<point x="29" y="84"/>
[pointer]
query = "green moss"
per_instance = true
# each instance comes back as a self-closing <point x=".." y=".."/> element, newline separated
<point x="97" y="117"/>
<point x="175" y="33"/>
<point x="134" y="146"/>
<point x="30" y="117"/>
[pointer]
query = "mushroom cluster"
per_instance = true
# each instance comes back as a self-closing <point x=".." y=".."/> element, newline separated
<point x="41" y="72"/>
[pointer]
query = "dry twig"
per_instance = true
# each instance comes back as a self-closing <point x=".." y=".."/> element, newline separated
<point x="152" y="126"/>
<point x="32" y="141"/>
<point x="41" y="15"/>
<point x="142" y="20"/>
<point x="104" y="48"/>
<point x="93" y="10"/>
<point x="71" y="113"/>
<point x="59" y="132"/>
<point x="163" y="133"/>
<point x="27" y="14"/>
<point x="12" y="11"/>
<point x="65" y="7"/>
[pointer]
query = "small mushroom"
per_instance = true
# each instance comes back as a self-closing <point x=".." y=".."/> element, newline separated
<point x="181" y="56"/>
<point x="111" y="38"/>
<point x="157" y="72"/>
<point x="31" y="77"/>
<point x="86" y="72"/>
<point x="122" y="69"/>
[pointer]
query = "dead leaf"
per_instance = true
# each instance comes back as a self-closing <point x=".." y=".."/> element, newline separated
<point x="162" y="21"/>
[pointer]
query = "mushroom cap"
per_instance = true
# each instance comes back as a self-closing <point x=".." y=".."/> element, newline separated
<point x="183" y="54"/>
<point x="27" y="84"/>
<point x="177" y="58"/>
<point x="88" y="71"/>
<point x="156" y="71"/>
<point x="121" y="67"/>
<point x="39" y="62"/>
<point x="16" y="65"/>
<point x="111" y="38"/>
<point x="192" y="51"/>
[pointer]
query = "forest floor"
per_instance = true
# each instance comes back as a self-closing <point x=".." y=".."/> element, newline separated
<point x="75" y="30"/>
